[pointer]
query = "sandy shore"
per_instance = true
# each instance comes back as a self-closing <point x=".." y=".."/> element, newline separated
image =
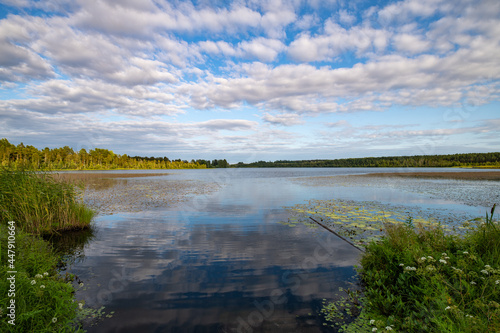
<point x="466" y="175"/>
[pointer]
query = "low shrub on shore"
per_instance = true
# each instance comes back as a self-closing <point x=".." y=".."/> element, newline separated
<point x="420" y="279"/>
<point x="41" y="204"/>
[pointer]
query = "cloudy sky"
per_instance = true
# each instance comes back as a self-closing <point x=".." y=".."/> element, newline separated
<point x="252" y="79"/>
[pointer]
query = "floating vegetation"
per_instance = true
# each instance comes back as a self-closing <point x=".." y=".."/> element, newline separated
<point x="468" y="191"/>
<point x="111" y="193"/>
<point x="364" y="221"/>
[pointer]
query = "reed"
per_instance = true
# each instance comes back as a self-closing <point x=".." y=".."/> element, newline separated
<point x="41" y="204"/>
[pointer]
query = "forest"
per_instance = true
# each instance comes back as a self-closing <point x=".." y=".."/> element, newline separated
<point x="488" y="160"/>
<point x="65" y="158"/>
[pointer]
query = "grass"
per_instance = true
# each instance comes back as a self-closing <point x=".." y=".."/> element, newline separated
<point x="41" y="204"/>
<point x="420" y="279"/>
<point x="43" y="299"/>
<point x="33" y="205"/>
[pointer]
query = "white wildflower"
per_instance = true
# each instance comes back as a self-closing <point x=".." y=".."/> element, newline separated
<point x="430" y="268"/>
<point x="442" y="261"/>
<point x="42" y="286"/>
<point x="80" y="306"/>
<point x="388" y="328"/>
<point x="81" y="284"/>
<point x="401" y="265"/>
<point x="39" y="276"/>
<point x="487" y="266"/>
<point x="33" y="282"/>
<point x="472" y="282"/>
<point x="485" y="272"/>
<point x="465" y="252"/>
<point x="372" y="321"/>
<point x="444" y="254"/>
<point x="423" y="258"/>
<point x="497" y="282"/>
<point x="374" y="329"/>
<point x="447" y="308"/>
<point x="45" y="273"/>
<point x="54" y="320"/>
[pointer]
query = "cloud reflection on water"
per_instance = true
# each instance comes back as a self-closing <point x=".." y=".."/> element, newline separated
<point x="188" y="270"/>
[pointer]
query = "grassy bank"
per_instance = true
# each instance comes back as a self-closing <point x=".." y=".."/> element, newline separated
<point x="44" y="301"/>
<point x="419" y="279"/>
<point x="33" y="295"/>
<point x="40" y="204"/>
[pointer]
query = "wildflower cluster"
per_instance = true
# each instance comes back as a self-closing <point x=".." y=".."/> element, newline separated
<point x="39" y="276"/>
<point x="375" y="329"/>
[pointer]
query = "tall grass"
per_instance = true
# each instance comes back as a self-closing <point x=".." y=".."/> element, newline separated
<point x="419" y="279"/>
<point x="41" y="204"/>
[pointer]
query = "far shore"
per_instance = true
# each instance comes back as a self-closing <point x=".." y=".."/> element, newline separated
<point x="465" y="175"/>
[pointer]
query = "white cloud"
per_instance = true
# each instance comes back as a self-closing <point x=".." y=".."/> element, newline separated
<point x="337" y="40"/>
<point x="338" y="124"/>
<point x="403" y="11"/>
<point x="262" y="49"/>
<point x="219" y="47"/>
<point x="227" y="124"/>
<point x="17" y="60"/>
<point x="16" y="3"/>
<point x="427" y="79"/>
<point x="91" y="96"/>
<point x="411" y="43"/>
<point x="306" y="22"/>
<point x="346" y="18"/>
<point x="283" y="119"/>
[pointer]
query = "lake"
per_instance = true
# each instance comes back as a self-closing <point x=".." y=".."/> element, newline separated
<point x="215" y="250"/>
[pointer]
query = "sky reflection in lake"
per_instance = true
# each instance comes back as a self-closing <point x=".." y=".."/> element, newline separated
<point x="220" y="261"/>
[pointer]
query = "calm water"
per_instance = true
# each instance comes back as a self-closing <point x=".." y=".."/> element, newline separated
<point x="221" y="261"/>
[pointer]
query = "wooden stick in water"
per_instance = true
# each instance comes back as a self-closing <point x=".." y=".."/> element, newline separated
<point x="336" y="234"/>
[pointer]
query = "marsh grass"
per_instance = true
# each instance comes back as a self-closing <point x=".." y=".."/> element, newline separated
<point x="420" y="279"/>
<point x="41" y="204"/>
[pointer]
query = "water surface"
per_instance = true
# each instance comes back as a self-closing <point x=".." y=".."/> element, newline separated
<point x="218" y="258"/>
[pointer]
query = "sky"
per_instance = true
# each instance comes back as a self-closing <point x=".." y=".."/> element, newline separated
<point x="252" y="80"/>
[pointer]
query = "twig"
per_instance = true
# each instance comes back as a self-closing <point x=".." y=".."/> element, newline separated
<point x="336" y="234"/>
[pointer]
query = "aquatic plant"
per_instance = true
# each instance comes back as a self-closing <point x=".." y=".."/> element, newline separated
<point x="41" y="204"/>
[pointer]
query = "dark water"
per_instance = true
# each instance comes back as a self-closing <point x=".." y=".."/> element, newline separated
<point x="221" y="261"/>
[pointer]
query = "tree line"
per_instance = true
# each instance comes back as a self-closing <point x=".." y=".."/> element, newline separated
<point x="491" y="160"/>
<point x="66" y="158"/>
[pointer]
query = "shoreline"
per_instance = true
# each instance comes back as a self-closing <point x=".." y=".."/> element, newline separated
<point x="460" y="175"/>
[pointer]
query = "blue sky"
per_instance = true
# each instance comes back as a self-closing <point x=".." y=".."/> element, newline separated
<point x="252" y="80"/>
